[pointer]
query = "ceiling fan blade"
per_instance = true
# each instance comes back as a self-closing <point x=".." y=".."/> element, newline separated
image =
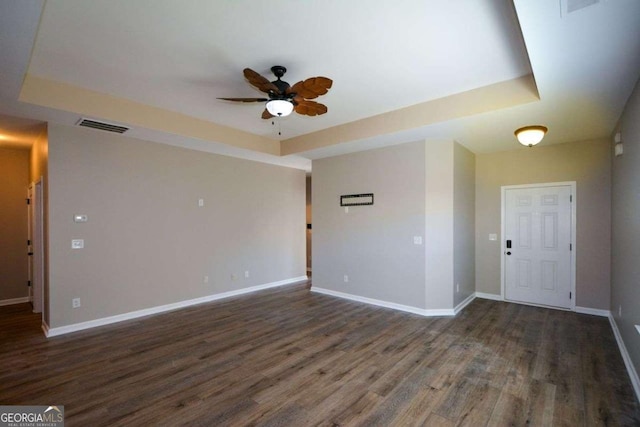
<point x="312" y="87"/>
<point x="260" y="82"/>
<point x="266" y="114"/>
<point x="246" y="99"/>
<point x="310" y="108"/>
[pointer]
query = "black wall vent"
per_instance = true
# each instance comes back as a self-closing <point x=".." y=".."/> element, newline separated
<point x="109" y="127"/>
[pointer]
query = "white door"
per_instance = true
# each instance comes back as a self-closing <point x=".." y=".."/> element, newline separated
<point x="538" y="244"/>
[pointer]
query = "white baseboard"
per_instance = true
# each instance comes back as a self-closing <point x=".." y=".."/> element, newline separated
<point x="631" y="370"/>
<point x="386" y="304"/>
<point x="593" y="311"/>
<point x="14" y="301"/>
<point x="493" y="297"/>
<point x="464" y="303"/>
<point x="61" y="330"/>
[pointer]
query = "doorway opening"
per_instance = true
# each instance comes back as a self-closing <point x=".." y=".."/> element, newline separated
<point x="35" y="247"/>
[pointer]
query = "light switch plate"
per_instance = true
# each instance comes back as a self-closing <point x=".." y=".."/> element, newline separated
<point x="77" y="244"/>
<point x="200" y="203"/>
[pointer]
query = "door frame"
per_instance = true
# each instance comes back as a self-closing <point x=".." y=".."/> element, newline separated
<point x="36" y="236"/>
<point x="503" y="215"/>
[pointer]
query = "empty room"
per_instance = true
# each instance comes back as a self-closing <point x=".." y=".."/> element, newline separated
<point x="300" y="213"/>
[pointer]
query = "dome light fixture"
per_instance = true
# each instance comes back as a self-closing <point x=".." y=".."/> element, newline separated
<point x="279" y="107"/>
<point x="530" y="135"/>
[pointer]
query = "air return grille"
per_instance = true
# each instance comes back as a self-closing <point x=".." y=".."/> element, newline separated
<point x="109" y="127"/>
<point x="574" y="5"/>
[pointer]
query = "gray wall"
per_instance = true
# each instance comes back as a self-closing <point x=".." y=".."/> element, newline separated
<point x="14" y="181"/>
<point x="147" y="243"/>
<point x="438" y="217"/>
<point x="589" y="164"/>
<point x="373" y="245"/>
<point x="309" y="221"/>
<point x="423" y="189"/>
<point x="464" y="223"/>
<point x="625" y="248"/>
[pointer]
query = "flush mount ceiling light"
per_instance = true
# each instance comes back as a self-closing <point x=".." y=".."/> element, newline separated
<point x="530" y="135"/>
<point x="279" y="107"/>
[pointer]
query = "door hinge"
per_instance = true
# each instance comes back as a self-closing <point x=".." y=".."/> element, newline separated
<point x="570" y="295"/>
<point x="571" y="198"/>
<point x="570" y="246"/>
<point x="28" y="282"/>
<point x="28" y="201"/>
<point x="28" y="242"/>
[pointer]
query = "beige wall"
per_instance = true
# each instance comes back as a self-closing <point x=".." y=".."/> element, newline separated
<point x="14" y="182"/>
<point x="625" y="257"/>
<point x="147" y="243"/>
<point x="587" y="163"/>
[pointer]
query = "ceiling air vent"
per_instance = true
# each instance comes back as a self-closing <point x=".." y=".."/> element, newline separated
<point x="574" y="5"/>
<point x="109" y="127"/>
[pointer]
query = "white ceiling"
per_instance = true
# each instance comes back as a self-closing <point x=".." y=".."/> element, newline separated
<point x="382" y="56"/>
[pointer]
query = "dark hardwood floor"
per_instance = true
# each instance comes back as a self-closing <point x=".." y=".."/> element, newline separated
<point x="291" y="357"/>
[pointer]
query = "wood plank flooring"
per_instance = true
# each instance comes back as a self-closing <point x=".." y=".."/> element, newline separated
<point x="289" y="357"/>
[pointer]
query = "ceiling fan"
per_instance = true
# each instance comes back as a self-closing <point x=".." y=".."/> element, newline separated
<point x="284" y="98"/>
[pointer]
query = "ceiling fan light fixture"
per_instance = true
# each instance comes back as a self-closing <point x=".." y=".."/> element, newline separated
<point x="279" y="107"/>
<point x="530" y="135"/>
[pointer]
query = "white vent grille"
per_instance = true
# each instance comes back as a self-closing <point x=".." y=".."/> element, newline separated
<point x="574" y="5"/>
<point x="109" y="127"/>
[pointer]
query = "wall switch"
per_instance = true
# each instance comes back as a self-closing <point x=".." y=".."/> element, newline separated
<point x="77" y="244"/>
<point x="346" y="278"/>
<point x="80" y="218"/>
<point x="200" y="203"/>
<point x="246" y="274"/>
<point x="493" y="236"/>
<point x="417" y="240"/>
<point x="205" y="279"/>
<point x="75" y="303"/>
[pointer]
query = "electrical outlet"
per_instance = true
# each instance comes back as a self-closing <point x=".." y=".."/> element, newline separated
<point x="77" y="244"/>
<point x="246" y="274"/>
<point x="346" y="278"/>
<point x="75" y="303"/>
<point x="417" y="240"/>
<point x="205" y="279"/>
